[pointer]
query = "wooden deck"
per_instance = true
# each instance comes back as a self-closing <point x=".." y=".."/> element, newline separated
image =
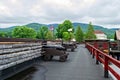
<point x="79" y="66"/>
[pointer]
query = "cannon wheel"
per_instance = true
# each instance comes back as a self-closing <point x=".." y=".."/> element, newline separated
<point x="63" y="58"/>
<point x="47" y="57"/>
<point x="42" y="57"/>
<point x="72" y="49"/>
<point x="51" y="57"/>
<point x="65" y="49"/>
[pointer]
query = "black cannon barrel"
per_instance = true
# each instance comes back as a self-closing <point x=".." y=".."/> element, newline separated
<point x="58" y="47"/>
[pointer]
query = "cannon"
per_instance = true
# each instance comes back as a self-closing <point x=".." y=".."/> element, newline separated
<point x="49" y="51"/>
<point x="71" y="46"/>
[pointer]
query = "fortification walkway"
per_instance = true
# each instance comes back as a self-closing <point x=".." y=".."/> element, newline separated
<point x="79" y="66"/>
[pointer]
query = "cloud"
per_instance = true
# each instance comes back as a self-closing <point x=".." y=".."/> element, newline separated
<point x="101" y="12"/>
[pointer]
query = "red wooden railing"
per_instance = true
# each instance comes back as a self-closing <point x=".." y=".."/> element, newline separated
<point x="105" y="59"/>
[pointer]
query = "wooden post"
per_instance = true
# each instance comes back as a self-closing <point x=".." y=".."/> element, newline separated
<point x="97" y="57"/>
<point x="106" y="68"/>
<point x="92" y="53"/>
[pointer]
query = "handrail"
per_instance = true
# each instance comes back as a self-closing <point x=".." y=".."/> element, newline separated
<point x="105" y="59"/>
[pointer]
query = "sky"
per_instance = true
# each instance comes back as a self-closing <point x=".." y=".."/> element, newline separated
<point x="20" y="12"/>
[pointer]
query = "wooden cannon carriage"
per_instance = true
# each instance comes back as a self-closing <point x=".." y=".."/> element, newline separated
<point x="49" y="51"/>
<point x="69" y="45"/>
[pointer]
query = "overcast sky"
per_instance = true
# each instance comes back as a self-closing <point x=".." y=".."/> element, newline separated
<point x="99" y="12"/>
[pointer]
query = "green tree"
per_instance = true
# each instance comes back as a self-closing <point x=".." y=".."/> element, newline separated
<point x="110" y="36"/>
<point x="59" y="31"/>
<point x="67" y="24"/>
<point x="49" y="35"/>
<point x="3" y="34"/>
<point x="42" y="32"/>
<point x="9" y="34"/>
<point x="64" y="27"/>
<point x="66" y="36"/>
<point x="71" y="35"/>
<point x="79" y="36"/>
<point x="90" y="32"/>
<point x="23" y="32"/>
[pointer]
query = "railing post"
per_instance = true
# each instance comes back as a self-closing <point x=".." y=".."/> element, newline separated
<point x="106" y="67"/>
<point x="97" y="57"/>
<point x="93" y="53"/>
<point x="85" y="45"/>
<point x="90" y="48"/>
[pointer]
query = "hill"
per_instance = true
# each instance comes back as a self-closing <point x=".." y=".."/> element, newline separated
<point x="7" y="29"/>
<point x="108" y="32"/>
<point x="114" y="28"/>
<point x="35" y="26"/>
<point x="84" y="26"/>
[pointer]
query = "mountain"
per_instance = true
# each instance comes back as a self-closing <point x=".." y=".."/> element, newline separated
<point x="7" y="29"/>
<point x="115" y="28"/>
<point x="108" y="32"/>
<point x="84" y="26"/>
<point x="35" y="26"/>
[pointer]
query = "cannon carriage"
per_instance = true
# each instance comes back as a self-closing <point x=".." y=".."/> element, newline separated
<point x="69" y="45"/>
<point x="49" y="51"/>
